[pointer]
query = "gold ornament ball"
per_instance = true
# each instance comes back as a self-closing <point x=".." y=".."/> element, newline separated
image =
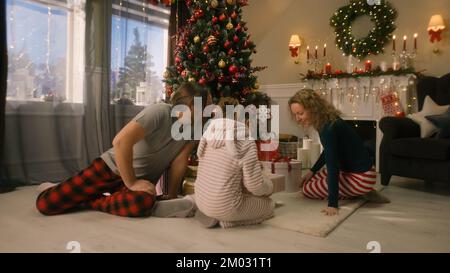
<point x="191" y="79"/>
<point x="256" y="86"/>
<point x="222" y="64"/>
<point x="214" y="3"/>
<point x="230" y="26"/>
<point x="197" y="39"/>
<point x="231" y="2"/>
<point x="166" y="74"/>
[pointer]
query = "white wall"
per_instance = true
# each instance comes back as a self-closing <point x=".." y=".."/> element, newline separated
<point x="272" y="22"/>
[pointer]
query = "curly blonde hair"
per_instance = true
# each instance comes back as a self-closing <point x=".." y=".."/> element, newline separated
<point x="321" y="111"/>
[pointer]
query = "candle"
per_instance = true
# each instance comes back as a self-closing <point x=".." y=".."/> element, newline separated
<point x="393" y="42"/>
<point x="325" y="50"/>
<point x="316" y="52"/>
<point x="404" y="42"/>
<point x="307" y="53"/>
<point x="368" y="66"/>
<point x="415" y="41"/>
<point x="328" y="69"/>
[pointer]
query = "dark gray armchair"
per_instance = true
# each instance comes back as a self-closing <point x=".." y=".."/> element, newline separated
<point x="404" y="153"/>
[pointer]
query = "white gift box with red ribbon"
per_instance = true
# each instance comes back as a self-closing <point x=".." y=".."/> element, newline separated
<point x="290" y="169"/>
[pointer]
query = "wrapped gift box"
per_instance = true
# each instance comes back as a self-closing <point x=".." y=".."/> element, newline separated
<point x="290" y="169"/>
<point x="279" y="182"/>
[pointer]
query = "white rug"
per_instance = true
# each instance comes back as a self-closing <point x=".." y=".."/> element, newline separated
<point x="304" y="215"/>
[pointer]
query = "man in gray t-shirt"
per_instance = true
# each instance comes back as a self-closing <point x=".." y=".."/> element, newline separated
<point x="122" y="181"/>
<point x="153" y="154"/>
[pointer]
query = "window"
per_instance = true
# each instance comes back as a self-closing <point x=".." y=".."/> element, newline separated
<point x="45" y="50"/>
<point x="139" y="46"/>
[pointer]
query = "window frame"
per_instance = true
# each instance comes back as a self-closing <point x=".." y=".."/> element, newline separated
<point x="154" y="15"/>
<point x="75" y="51"/>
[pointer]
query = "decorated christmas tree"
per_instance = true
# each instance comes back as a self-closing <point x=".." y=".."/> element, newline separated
<point x="214" y="49"/>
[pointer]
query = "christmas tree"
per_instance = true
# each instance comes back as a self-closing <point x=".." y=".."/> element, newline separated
<point x="214" y="49"/>
<point x="134" y="70"/>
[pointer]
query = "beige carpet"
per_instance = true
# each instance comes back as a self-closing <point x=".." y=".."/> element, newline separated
<point x="304" y="215"/>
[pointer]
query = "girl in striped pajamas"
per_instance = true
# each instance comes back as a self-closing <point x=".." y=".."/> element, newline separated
<point x="230" y="186"/>
<point x="349" y="168"/>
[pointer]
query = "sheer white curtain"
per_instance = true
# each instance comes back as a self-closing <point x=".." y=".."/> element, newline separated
<point x="44" y="110"/>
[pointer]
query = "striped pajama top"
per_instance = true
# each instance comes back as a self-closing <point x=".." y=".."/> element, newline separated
<point x="226" y="168"/>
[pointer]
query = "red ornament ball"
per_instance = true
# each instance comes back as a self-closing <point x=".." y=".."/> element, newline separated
<point x="233" y="69"/>
<point x="223" y="17"/>
<point x="234" y="15"/>
<point x="199" y="13"/>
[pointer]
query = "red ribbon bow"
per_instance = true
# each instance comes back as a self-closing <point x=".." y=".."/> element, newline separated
<point x="281" y="159"/>
<point x="435" y="35"/>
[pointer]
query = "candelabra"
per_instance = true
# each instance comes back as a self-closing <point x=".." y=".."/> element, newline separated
<point x="395" y="61"/>
<point x="315" y="63"/>
<point x="407" y="59"/>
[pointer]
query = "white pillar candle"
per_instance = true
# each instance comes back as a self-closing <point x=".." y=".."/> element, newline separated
<point x="303" y="156"/>
<point x="307" y="143"/>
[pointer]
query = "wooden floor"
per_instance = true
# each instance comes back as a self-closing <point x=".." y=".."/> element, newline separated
<point x="417" y="220"/>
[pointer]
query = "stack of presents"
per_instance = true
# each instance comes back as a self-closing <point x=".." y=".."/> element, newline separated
<point x="282" y="162"/>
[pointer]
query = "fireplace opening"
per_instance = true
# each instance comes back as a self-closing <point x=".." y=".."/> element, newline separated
<point x="368" y="133"/>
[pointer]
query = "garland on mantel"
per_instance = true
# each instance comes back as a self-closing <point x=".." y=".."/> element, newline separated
<point x="339" y="74"/>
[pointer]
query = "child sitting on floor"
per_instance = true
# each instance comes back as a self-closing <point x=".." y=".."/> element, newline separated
<point x="231" y="189"/>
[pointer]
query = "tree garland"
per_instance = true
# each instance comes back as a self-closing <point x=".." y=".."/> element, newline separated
<point x="383" y="16"/>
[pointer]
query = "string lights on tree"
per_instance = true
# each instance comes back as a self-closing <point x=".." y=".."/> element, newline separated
<point x="214" y="50"/>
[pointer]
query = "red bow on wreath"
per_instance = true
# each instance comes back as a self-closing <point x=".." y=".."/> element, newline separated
<point x="435" y="35"/>
<point x="281" y="159"/>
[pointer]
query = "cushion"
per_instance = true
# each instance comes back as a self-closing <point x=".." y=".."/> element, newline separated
<point x="423" y="148"/>
<point x="430" y="108"/>
<point x="443" y="123"/>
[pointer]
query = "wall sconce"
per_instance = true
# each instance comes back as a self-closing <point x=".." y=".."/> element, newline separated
<point x="294" y="46"/>
<point x="435" y="28"/>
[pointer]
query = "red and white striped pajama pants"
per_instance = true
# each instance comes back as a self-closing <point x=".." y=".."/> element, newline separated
<point x="350" y="184"/>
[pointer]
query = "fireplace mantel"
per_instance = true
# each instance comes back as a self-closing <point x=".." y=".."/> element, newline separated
<point x="356" y="98"/>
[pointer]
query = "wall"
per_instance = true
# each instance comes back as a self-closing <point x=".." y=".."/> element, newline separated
<point x="272" y="22"/>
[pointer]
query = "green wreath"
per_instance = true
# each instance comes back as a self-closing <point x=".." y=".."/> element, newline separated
<point x="382" y="14"/>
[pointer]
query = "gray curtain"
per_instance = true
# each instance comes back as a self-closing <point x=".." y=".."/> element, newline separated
<point x="3" y="78"/>
<point x="50" y="141"/>
<point x="98" y="130"/>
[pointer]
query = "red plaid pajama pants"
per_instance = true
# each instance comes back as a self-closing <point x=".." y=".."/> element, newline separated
<point x="350" y="184"/>
<point x="86" y="190"/>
